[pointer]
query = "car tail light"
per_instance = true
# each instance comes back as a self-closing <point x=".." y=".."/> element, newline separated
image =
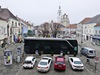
<point x="46" y="67"/>
<point x="38" y="67"/>
<point x="64" y="64"/>
<point x="55" y="63"/>
<point x="74" y="66"/>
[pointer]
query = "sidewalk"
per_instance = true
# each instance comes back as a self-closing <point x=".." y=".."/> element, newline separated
<point x="91" y="66"/>
<point x="87" y="43"/>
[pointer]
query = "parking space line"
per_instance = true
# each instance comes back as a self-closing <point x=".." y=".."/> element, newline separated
<point x="19" y="70"/>
<point x="88" y="70"/>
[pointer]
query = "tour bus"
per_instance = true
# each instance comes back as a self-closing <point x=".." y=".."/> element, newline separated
<point x="50" y="45"/>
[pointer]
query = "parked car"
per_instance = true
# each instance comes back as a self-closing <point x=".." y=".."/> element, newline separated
<point x="89" y="52"/>
<point x="60" y="63"/>
<point x="44" y="64"/>
<point x="29" y="62"/>
<point x="76" y="63"/>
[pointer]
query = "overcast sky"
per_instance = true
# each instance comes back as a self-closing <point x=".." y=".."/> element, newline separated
<point x="40" y="11"/>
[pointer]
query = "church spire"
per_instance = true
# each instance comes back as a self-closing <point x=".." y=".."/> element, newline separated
<point x="59" y="14"/>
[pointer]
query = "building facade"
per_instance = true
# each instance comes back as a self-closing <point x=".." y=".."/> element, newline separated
<point x="3" y="30"/>
<point x="96" y="36"/>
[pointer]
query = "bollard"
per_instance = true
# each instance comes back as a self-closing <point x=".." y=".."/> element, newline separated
<point x="95" y="68"/>
<point x="88" y="60"/>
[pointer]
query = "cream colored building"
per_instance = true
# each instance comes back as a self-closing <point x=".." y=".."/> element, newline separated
<point x="3" y="30"/>
<point x="14" y="29"/>
<point x="13" y="25"/>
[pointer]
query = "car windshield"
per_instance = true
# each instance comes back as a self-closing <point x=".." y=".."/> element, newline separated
<point x="77" y="62"/>
<point x="43" y="63"/>
<point x="91" y="51"/>
<point x="45" y="58"/>
<point x="27" y="62"/>
<point x="60" y="62"/>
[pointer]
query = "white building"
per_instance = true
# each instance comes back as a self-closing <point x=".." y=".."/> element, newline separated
<point x="13" y="25"/>
<point x="81" y="27"/>
<point x="3" y="30"/>
<point x="62" y="18"/>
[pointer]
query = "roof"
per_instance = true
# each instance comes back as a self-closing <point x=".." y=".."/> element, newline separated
<point x="97" y="25"/>
<point x="2" y="19"/>
<point x="95" y="19"/>
<point x="43" y="60"/>
<point x="72" y="26"/>
<point x="88" y="48"/>
<point x="75" y="58"/>
<point x="85" y="20"/>
<point x="27" y="23"/>
<point x="29" y="58"/>
<point x="46" y="58"/>
<point x="6" y="14"/>
<point x="58" y="58"/>
<point x="35" y="38"/>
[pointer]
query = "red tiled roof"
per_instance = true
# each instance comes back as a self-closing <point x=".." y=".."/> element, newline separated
<point x="72" y="26"/>
<point x="97" y="25"/>
<point x="85" y="20"/>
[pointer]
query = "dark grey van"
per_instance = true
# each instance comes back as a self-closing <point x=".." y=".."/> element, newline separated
<point x="89" y="52"/>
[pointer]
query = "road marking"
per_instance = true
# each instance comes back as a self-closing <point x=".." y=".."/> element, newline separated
<point x="18" y="70"/>
<point x="88" y="70"/>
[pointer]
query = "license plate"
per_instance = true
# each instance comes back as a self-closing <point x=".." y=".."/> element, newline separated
<point x="59" y="66"/>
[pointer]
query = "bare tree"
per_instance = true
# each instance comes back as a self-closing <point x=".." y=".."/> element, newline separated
<point x="54" y="29"/>
<point x="45" y="29"/>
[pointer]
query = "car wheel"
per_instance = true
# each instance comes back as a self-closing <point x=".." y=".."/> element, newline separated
<point x="71" y="67"/>
<point x="23" y="67"/>
<point x="33" y="67"/>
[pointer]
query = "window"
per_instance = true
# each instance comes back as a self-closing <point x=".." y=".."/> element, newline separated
<point x="43" y="63"/>
<point x="16" y="24"/>
<point x="12" y="23"/>
<point x="49" y="60"/>
<point x="71" y="59"/>
<point x="33" y="59"/>
<point x="77" y="62"/>
<point x="99" y="31"/>
<point x="19" y="24"/>
<point x="96" y="32"/>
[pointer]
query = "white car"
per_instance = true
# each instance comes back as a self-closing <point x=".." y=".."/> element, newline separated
<point x="29" y="62"/>
<point x="44" y="64"/>
<point x="76" y="63"/>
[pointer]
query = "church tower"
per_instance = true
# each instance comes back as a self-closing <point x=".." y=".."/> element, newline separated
<point x="65" y="20"/>
<point x="62" y="18"/>
<point x="59" y="15"/>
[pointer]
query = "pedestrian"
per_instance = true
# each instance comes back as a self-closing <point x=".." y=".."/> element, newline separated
<point x="88" y="60"/>
<point x="36" y="52"/>
<point x="23" y="54"/>
<point x="61" y="53"/>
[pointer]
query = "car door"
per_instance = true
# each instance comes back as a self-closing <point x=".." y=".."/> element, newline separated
<point x="71" y="61"/>
<point x="49" y="63"/>
<point x="33" y="61"/>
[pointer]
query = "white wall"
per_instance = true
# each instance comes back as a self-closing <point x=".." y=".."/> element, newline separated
<point x="3" y="29"/>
